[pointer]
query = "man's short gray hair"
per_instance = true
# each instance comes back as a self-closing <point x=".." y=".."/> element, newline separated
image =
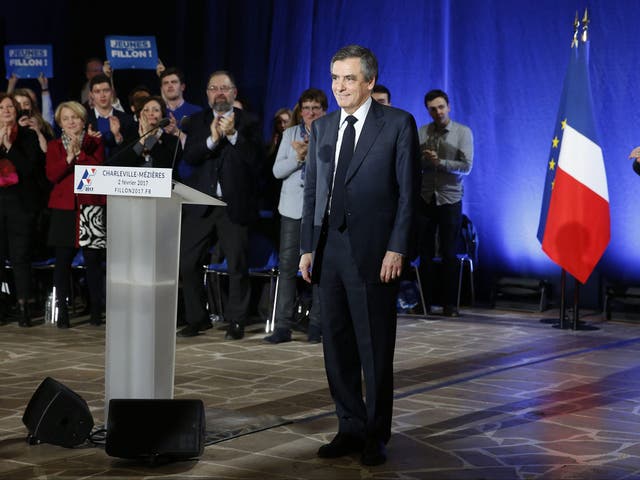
<point x="368" y="61"/>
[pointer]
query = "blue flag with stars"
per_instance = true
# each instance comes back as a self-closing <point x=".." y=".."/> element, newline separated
<point x="552" y="160"/>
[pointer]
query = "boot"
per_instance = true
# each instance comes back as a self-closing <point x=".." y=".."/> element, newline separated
<point x="63" y="314"/>
<point x="25" y="314"/>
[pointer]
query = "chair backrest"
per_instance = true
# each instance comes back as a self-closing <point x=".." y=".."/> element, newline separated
<point x="78" y="260"/>
<point x="468" y="240"/>
<point x="262" y="252"/>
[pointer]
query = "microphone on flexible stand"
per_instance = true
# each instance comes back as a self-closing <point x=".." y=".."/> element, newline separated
<point x="161" y="124"/>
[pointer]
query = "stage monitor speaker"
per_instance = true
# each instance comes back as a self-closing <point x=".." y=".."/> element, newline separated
<point x="57" y="415"/>
<point x="155" y="428"/>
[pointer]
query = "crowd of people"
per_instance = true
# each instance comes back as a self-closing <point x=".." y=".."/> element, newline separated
<point x="217" y="150"/>
<point x="358" y="192"/>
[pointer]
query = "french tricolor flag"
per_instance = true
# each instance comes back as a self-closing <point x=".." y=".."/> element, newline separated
<point x="574" y="223"/>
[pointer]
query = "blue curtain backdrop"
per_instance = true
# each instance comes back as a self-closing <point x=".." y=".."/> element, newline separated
<point x="501" y="61"/>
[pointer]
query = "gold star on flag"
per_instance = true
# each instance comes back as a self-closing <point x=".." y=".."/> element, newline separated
<point x="552" y="164"/>
<point x="555" y="142"/>
<point x="563" y="123"/>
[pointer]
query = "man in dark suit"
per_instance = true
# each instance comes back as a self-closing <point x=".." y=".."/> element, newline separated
<point x="360" y="190"/>
<point x="224" y="145"/>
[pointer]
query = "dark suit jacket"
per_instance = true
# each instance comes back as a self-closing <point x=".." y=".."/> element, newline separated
<point x="127" y="129"/>
<point x="382" y="186"/>
<point x="636" y="166"/>
<point x="235" y="166"/>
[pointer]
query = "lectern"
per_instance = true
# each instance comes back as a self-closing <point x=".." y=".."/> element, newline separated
<point x="143" y="243"/>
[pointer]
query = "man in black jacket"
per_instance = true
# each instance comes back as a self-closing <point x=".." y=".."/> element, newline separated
<point x="224" y="145"/>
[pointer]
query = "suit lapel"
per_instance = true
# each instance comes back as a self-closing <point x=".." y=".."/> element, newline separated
<point x="328" y="141"/>
<point x="370" y="130"/>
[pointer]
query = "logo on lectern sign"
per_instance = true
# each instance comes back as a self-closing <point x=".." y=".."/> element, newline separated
<point x="124" y="181"/>
<point x="86" y="180"/>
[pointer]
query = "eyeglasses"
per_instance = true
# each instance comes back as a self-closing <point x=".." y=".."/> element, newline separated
<point x="223" y="88"/>
<point x="315" y="108"/>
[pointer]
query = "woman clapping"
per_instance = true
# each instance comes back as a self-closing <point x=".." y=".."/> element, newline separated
<point x="76" y="220"/>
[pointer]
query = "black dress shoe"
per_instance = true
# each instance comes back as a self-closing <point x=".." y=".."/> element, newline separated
<point x="235" y="331"/>
<point x="314" y="335"/>
<point x="189" y="331"/>
<point x="341" y="445"/>
<point x="374" y="453"/>
<point x="279" y="335"/>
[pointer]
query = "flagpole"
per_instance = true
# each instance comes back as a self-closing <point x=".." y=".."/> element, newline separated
<point x="563" y="306"/>
<point x="576" y="306"/>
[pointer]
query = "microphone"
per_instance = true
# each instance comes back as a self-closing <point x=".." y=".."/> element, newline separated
<point x="161" y="124"/>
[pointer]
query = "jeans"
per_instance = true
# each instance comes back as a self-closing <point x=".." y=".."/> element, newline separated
<point x="287" y="284"/>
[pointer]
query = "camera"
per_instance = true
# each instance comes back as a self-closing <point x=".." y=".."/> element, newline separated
<point x="24" y="113"/>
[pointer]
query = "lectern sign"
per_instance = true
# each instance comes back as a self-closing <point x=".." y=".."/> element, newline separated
<point x="123" y="181"/>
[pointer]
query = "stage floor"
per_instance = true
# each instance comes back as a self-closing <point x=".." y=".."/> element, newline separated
<point x="491" y="395"/>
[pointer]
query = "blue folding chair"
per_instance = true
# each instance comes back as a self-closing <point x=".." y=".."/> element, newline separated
<point x="263" y="262"/>
<point x="467" y="254"/>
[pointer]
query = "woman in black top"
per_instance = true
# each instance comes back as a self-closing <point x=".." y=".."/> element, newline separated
<point x="21" y="165"/>
<point x="154" y="148"/>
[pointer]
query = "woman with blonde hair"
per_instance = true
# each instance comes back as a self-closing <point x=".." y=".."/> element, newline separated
<point x="76" y="220"/>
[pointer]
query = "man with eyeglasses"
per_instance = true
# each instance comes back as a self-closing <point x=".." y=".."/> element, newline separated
<point x="225" y="147"/>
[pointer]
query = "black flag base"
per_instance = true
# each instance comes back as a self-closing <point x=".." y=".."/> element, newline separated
<point x="579" y="325"/>
<point x="575" y="323"/>
<point x="549" y="321"/>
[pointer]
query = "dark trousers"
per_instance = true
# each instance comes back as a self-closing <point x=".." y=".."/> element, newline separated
<point x="443" y="220"/>
<point x="93" y="258"/>
<point x="359" y="333"/>
<point x="289" y="256"/>
<point x="17" y="227"/>
<point x="198" y="235"/>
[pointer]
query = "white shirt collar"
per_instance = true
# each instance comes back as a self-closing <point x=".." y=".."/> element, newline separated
<point x="360" y="113"/>
<point x="98" y="115"/>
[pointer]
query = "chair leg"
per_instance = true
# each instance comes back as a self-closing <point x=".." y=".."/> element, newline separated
<point x="460" y="271"/>
<point x="219" y="295"/>
<point x="273" y="293"/>
<point x="213" y="291"/>
<point x="424" y="304"/>
<point x="205" y="282"/>
<point x="472" y="283"/>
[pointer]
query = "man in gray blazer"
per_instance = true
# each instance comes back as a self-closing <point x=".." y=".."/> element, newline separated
<point x="361" y="187"/>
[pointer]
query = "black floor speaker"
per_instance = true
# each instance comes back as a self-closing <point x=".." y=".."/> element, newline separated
<point x="155" y="429"/>
<point x="57" y="415"/>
